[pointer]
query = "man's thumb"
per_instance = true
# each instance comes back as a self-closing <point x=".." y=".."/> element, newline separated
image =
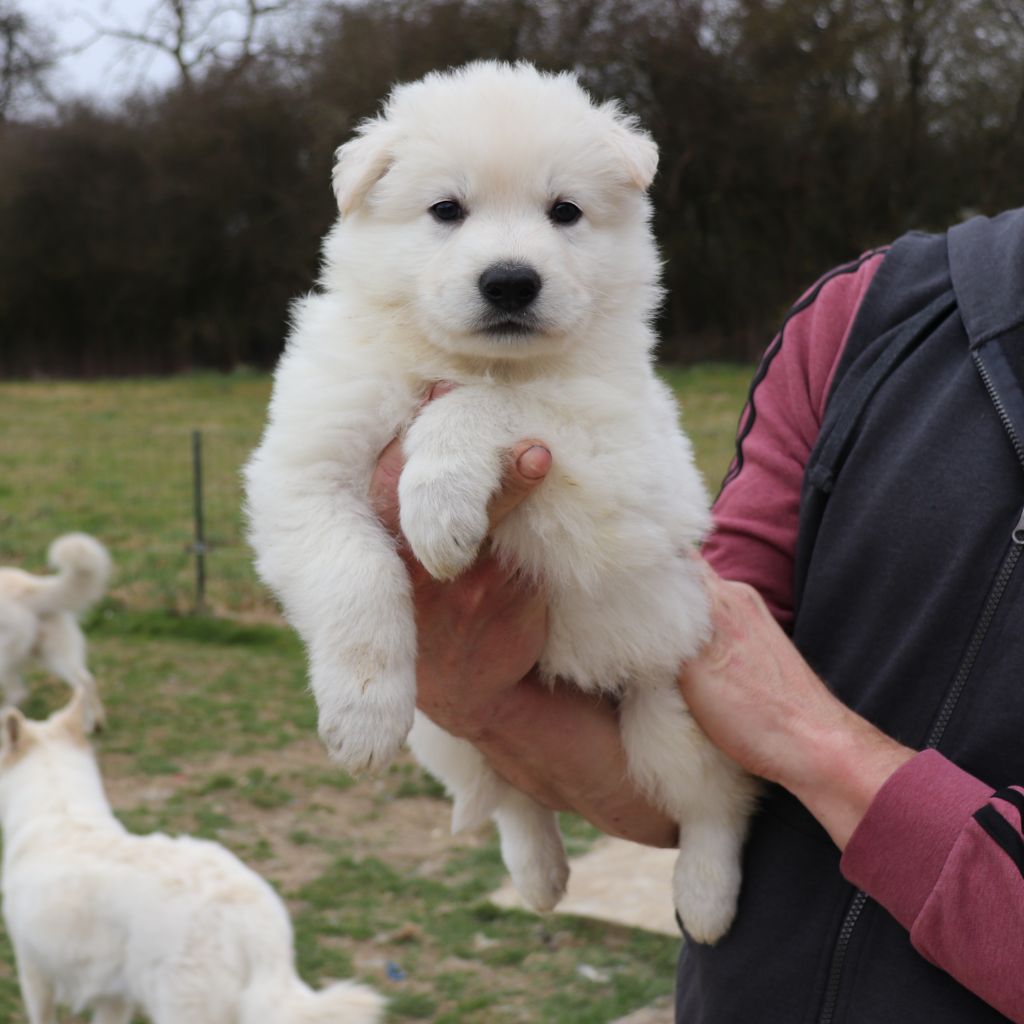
<point x="528" y="466"/>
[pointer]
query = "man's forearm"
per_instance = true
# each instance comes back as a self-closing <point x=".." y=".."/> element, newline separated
<point x="838" y="769"/>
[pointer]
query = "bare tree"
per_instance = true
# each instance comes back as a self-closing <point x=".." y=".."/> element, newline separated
<point x="202" y="35"/>
<point x="26" y="56"/>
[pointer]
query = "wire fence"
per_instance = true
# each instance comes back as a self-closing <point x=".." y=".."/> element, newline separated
<point x="119" y="460"/>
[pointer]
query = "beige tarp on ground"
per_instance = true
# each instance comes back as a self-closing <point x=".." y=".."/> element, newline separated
<point x="616" y="881"/>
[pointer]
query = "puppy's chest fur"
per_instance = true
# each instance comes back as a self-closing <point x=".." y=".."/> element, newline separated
<point x="606" y="534"/>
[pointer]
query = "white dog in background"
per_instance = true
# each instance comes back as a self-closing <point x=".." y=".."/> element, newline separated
<point x="494" y="232"/>
<point x="178" y="929"/>
<point x="39" y="618"/>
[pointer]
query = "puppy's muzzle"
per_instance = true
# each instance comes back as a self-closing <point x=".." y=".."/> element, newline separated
<point x="509" y="287"/>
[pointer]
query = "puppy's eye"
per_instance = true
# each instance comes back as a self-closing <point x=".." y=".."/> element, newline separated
<point x="447" y="210"/>
<point x="564" y="212"/>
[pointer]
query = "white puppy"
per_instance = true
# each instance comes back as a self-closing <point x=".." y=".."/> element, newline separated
<point x="38" y="617"/>
<point x="494" y="232"/>
<point x="178" y="929"/>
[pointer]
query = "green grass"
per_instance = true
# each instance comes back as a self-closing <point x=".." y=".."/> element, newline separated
<point x="503" y="966"/>
<point x="711" y="397"/>
<point x="212" y="729"/>
<point x="114" y="458"/>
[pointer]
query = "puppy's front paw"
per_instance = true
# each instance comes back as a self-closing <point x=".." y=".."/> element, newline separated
<point x="444" y="527"/>
<point x="364" y="735"/>
<point x="360" y="739"/>
<point x="706" y="889"/>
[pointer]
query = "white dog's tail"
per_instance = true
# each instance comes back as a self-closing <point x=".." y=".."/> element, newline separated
<point x="343" y="1002"/>
<point x="83" y="568"/>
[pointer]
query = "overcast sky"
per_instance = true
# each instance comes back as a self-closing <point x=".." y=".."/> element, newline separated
<point x="106" y="68"/>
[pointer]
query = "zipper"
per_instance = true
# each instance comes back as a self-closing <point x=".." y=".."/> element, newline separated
<point x="978" y="637"/>
<point x="949" y="703"/>
<point x="951" y="699"/>
<point x="835" y="971"/>
<point x="1004" y="416"/>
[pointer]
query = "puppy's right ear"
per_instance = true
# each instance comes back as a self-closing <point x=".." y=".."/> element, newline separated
<point x="635" y="147"/>
<point x="74" y="716"/>
<point x="361" y="162"/>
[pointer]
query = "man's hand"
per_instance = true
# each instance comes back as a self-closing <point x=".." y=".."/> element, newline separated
<point x="479" y="638"/>
<point x="760" y="702"/>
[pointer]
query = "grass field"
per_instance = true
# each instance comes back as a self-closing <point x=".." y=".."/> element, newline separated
<point x="212" y="732"/>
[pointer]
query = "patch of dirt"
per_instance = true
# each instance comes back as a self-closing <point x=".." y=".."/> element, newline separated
<point x="256" y="614"/>
<point x="364" y="819"/>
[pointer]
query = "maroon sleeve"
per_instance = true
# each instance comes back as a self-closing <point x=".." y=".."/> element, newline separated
<point x="757" y="510"/>
<point x="945" y="856"/>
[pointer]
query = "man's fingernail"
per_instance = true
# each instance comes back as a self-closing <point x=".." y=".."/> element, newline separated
<point x="535" y="462"/>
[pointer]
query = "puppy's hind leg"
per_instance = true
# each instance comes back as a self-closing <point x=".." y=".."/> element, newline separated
<point x="707" y="876"/>
<point x="474" y="787"/>
<point x="38" y="993"/>
<point x="62" y="651"/>
<point x="698" y="786"/>
<point x="17" y="636"/>
<point x="531" y="844"/>
<point x="111" y="1011"/>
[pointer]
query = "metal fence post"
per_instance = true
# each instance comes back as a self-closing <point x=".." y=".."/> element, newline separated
<point x="199" y="544"/>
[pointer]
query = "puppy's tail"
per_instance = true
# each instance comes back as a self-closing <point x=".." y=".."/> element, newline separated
<point x="343" y="1002"/>
<point x="83" y="568"/>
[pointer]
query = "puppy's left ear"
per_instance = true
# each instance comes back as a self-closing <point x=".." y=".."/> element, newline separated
<point x="12" y="729"/>
<point x="635" y="147"/>
<point x="361" y="162"/>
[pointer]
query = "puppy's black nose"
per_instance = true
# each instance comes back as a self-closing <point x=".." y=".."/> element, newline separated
<point x="509" y="287"/>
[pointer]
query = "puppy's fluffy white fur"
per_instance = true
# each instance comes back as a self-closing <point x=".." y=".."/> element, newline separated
<point x="608" y="532"/>
<point x="176" y="928"/>
<point x="39" y="618"/>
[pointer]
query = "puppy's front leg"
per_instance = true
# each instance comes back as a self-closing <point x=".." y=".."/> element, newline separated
<point x="453" y="467"/>
<point x="362" y="647"/>
<point x="346" y="590"/>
